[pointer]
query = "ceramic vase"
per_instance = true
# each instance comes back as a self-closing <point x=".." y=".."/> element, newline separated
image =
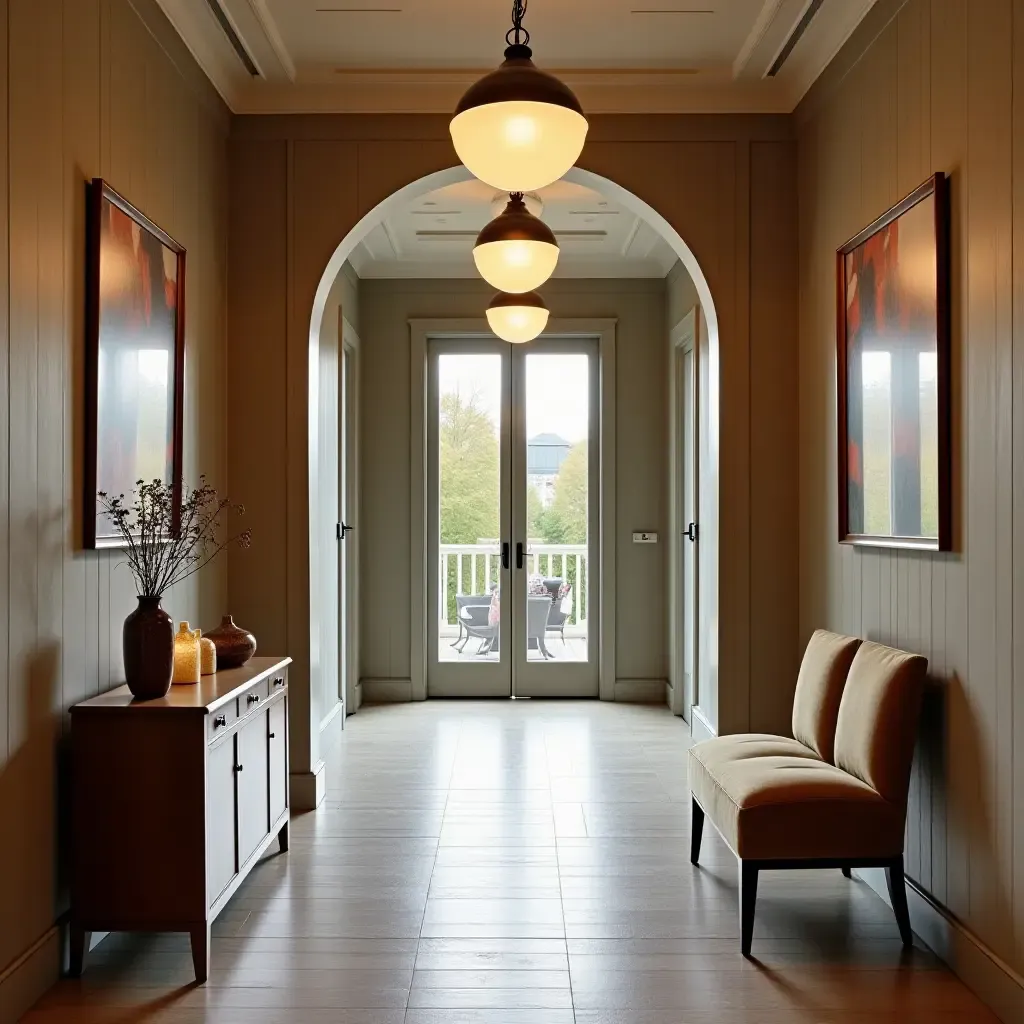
<point x="186" y="656"/>
<point x="207" y="656"/>
<point x="148" y="646"/>
<point x="235" y="646"/>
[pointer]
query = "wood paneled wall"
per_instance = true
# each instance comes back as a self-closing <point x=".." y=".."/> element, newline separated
<point x="299" y="184"/>
<point x="934" y="85"/>
<point x="91" y="88"/>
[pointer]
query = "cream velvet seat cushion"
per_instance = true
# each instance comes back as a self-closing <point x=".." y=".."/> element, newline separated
<point x="775" y="799"/>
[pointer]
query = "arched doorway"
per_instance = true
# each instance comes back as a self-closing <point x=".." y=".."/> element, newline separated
<point x="404" y="195"/>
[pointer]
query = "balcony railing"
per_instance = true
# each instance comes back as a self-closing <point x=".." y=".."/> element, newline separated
<point x="475" y="568"/>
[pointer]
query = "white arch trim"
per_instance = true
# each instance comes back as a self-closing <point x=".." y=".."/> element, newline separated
<point x="709" y="486"/>
<point x="451" y="176"/>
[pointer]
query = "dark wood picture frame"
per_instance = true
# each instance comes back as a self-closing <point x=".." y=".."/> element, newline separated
<point x="98" y="193"/>
<point x="936" y="187"/>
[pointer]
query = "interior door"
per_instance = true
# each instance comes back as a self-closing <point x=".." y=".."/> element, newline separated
<point x="468" y="518"/>
<point x="555" y="522"/>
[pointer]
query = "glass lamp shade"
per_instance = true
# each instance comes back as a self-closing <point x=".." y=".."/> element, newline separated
<point x="519" y="128"/>
<point x="517" y="318"/>
<point x="516" y="252"/>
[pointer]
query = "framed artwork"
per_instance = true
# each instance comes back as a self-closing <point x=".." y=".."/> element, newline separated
<point x="135" y="356"/>
<point x="893" y="360"/>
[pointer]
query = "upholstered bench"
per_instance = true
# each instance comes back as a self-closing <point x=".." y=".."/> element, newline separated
<point x="834" y="796"/>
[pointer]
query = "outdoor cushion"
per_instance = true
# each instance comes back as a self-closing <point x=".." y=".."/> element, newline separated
<point x="771" y="801"/>
<point x="819" y="690"/>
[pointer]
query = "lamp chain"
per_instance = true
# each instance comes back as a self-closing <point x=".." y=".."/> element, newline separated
<point x="517" y="35"/>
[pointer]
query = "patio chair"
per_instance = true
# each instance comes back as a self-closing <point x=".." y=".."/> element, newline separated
<point x="464" y="601"/>
<point x="537" y="611"/>
<point x="561" y="608"/>
<point x="473" y="618"/>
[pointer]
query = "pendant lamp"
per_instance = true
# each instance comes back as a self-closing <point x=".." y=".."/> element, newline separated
<point x="517" y="318"/>
<point x="516" y="252"/>
<point x="519" y="128"/>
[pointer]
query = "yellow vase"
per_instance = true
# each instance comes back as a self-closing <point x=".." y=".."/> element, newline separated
<point x="186" y="655"/>
<point x="207" y="655"/>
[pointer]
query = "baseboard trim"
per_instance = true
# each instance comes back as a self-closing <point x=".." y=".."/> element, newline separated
<point x="991" y="979"/>
<point x="308" y="789"/>
<point x="386" y="691"/>
<point x="700" y="728"/>
<point x="358" y="702"/>
<point x="330" y="729"/>
<point x="25" y="981"/>
<point x="640" y="691"/>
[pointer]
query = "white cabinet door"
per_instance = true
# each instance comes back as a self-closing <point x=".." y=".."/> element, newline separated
<point x="221" y="862"/>
<point x="252" y="769"/>
<point x="278" y="759"/>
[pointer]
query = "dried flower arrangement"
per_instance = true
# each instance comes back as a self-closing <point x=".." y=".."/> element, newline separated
<point x="164" y="544"/>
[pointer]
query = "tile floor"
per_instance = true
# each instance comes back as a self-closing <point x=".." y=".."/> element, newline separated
<point x="518" y="863"/>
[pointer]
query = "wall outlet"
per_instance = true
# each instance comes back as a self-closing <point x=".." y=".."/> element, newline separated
<point x="645" y="538"/>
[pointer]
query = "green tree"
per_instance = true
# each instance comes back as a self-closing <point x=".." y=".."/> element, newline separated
<point x="469" y="471"/>
<point x="564" y="521"/>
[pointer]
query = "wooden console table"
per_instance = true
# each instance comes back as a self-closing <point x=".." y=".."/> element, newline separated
<point x="174" y="801"/>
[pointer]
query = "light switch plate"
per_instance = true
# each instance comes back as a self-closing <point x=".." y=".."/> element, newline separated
<point x="645" y="538"/>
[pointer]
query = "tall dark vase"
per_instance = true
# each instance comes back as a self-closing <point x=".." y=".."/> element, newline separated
<point x="148" y="642"/>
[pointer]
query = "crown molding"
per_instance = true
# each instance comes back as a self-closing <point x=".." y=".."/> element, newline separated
<point x="601" y="91"/>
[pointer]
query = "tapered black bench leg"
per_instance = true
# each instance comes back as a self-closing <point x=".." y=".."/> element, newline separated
<point x="696" y="831"/>
<point x="897" y="886"/>
<point x="748" y="899"/>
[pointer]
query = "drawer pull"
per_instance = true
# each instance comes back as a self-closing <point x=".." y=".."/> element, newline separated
<point x="238" y="767"/>
<point x="254" y="698"/>
<point x="272" y="735"/>
<point x="220" y="721"/>
<point x="278" y="682"/>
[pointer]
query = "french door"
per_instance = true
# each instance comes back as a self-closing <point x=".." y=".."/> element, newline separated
<point x="513" y="515"/>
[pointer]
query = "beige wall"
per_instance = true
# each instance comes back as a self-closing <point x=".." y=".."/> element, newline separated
<point x="726" y="184"/>
<point x="88" y="91"/>
<point x="641" y="391"/>
<point x="936" y="90"/>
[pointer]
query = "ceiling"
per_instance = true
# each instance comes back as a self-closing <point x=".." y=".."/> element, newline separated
<point x="418" y="56"/>
<point x="433" y="235"/>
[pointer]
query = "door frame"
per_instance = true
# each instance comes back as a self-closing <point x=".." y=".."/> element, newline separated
<point x="420" y="333"/>
<point x="683" y="338"/>
<point x="348" y="479"/>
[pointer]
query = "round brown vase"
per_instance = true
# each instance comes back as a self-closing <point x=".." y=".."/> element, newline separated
<point x="148" y="645"/>
<point x="235" y="646"/>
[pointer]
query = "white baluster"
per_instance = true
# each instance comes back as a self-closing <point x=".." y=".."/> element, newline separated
<point x="458" y="574"/>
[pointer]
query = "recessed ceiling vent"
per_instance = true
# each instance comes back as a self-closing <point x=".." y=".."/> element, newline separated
<point x="233" y="38"/>
<point x="794" y="37"/>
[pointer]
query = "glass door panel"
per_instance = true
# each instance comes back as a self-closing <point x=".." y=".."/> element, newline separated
<point x="468" y="439"/>
<point x="555" y="468"/>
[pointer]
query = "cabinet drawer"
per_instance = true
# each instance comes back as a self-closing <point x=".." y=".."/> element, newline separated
<point x="219" y="721"/>
<point x="254" y="697"/>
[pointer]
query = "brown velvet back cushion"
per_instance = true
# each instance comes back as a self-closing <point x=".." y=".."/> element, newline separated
<point x="819" y="689"/>
<point x="878" y="717"/>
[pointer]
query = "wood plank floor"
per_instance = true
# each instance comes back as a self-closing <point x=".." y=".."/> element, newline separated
<point x="518" y="863"/>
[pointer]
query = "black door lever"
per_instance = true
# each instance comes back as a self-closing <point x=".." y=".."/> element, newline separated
<point x="690" y="533"/>
<point x="504" y="555"/>
<point x="519" y="554"/>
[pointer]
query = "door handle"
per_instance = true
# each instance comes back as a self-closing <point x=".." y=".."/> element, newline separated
<point x="690" y="533"/>
<point x="520" y="554"/>
<point x="504" y="555"/>
<point x="343" y="530"/>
